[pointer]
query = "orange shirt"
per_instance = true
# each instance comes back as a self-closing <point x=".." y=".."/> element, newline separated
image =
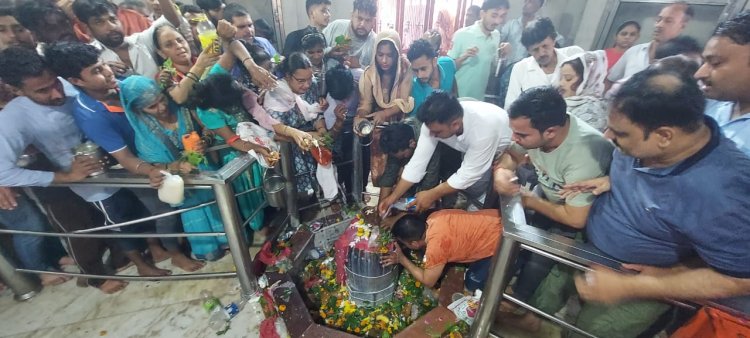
<point x="458" y="236"/>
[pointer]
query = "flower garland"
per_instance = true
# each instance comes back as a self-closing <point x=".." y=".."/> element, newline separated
<point x="410" y="302"/>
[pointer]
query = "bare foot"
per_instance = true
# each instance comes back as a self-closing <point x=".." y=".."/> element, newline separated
<point x="148" y="269"/>
<point x="186" y="263"/>
<point x="66" y="260"/>
<point x="528" y="321"/>
<point x="111" y="286"/>
<point x="50" y="279"/>
<point x="158" y="254"/>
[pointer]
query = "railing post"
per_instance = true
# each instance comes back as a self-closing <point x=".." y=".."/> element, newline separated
<point x="235" y="237"/>
<point x="290" y="192"/>
<point x="500" y="273"/>
<point x="357" y="170"/>
<point x="22" y="285"/>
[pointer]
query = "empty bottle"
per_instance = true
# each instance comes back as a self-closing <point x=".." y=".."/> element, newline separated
<point x="218" y="319"/>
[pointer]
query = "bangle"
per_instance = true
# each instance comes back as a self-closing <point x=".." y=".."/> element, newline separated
<point x="286" y="128"/>
<point x="233" y="139"/>
<point x="245" y="60"/>
<point x="194" y="77"/>
<point x="139" y="166"/>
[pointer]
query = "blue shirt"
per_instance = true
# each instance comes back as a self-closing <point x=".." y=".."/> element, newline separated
<point x="109" y="130"/>
<point x="51" y="130"/>
<point x="737" y="130"/>
<point x="267" y="46"/>
<point x="420" y="91"/>
<point x="662" y="216"/>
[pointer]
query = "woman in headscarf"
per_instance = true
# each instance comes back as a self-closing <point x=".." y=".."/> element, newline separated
<point x="385" y="93"/>
<point x="159" y="125"/>
<point x="581" y="83"/>
<point x="287" y="105"/>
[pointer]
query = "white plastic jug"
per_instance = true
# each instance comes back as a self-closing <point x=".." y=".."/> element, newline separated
<point x="172" y="189"/>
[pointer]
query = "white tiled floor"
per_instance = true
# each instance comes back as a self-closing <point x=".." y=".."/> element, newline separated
<point x="143" y="309"/>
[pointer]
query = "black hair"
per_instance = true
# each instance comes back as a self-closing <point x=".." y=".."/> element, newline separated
<point x="368" y="7"/>
<point x="87" y="9"/>
<point x="543" y="106"/>
<point x="19" y="63"/>
<point x="313" y="39"/>
<point x="440" y="107"/>
<point x="396" y="58"/>
<point x="686" y="8"/>
<point x="493" y="4"/>
<point x="155" y="38"/>
<point x="68" y="59"/>
<point x="310" y="3"/>
<point x="420" y="48"/>
<point x="657" y="98"/>
<point x="736" y="29"/>
<point x="31" y="14"/>
<point x="396" y="137"/>
<point x="257" y="52"/>
<point x="234" y="10"/>
<point x="474" y="8"/>
<point x="217" y="91"/>
<point x="577" y="66"/>
<point x="264" y="30"/>
<point x="188" y="8"/>
<point x="208" y="5"/>
<point x="628" y="23"/>
<point x="135" y="4"/>
<point x="340" y="82"/>
<point x="409" y="227"/>
<point x="537" y="31"/>
<point x="7" y="11"/>
<point x="295" y="61"/>
<point x="682" y="44"/>
<point x="678" y="64"/>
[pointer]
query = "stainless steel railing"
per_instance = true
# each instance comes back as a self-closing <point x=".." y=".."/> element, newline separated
<point x="219" y="181"/>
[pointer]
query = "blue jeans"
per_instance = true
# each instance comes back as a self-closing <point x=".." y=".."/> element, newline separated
<point x="476" y="274"/>
<point x="34" y="252"/>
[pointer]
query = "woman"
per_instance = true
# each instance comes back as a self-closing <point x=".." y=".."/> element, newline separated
<point x="223" y="103"/>
<point x="581" y="83"/>
<point x="627" y="34"/>
<point x="286" y="104"/>
<point x="385" y="93"/>
<point x="313" y="45"/>
<point x="159" y="125"/>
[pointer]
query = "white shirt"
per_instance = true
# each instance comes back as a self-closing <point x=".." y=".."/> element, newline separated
<point x="141" y="50"/>
<point x="527" y="74"/>
<point x="486" y="134"/>
<point x="633" y="61"/>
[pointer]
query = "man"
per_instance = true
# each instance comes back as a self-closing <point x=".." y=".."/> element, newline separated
<point x="681" y="45"/>
<point x="125" y="55"/>
<point x="11" y="32"/>
<point x="398" y="142"/>
<point x="98" y="112"/>
<point x="241" y="20"/>
<point x="431" y="72"/>
<point x="669" y="24"/>
<point x="319" y="14"/>
<point x="511" y="32"/>
<point x="47" y="22"/>
<point x="478" y="130"/>
<point x="359" y="29"/>
<point x="563" y="150"/>
<point x="725" y="76"/>
<point x="686" y="238"/>
<point x="448" y="236"/>
<point x="543" y="65"/>
<point x="475" y="49"/>
<point x="41" y="115"/>
<point x="472" y="15"/>
<point x="214" y="9"/>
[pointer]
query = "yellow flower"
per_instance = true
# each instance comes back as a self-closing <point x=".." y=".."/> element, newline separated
<point x="323" y="314"/>
<point x="383" y="250"/>
<point x="417" y="284"/>
<point x="282" y="307"/>
<point x="382" y="319"/>
<point x="357" y="330"/>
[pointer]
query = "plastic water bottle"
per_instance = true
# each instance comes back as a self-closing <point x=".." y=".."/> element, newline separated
<point x="217" y="316"/>
<point x="207" y="33"/>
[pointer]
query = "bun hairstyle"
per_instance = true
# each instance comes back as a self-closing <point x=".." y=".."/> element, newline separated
<point x="295" y="61"/>
<point x="218" y="91"/>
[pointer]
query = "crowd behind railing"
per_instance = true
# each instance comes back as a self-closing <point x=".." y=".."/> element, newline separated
<point x="637" y="151"/>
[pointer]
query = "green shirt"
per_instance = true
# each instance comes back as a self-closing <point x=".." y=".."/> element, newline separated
<point x="475" y="72"/>
<point x="583" y="155"/>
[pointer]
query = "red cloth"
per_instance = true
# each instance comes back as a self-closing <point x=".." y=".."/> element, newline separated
<point x="132" y="21"/>
<point x="713" y="323"/>
<point x="613" y="55"/>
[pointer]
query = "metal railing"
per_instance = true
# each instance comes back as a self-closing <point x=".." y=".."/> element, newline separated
<point x="219" y="181"/>
<point x="517" y="237"/>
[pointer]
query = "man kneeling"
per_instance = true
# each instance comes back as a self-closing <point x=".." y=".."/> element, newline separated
<point x="448" y="236"/>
